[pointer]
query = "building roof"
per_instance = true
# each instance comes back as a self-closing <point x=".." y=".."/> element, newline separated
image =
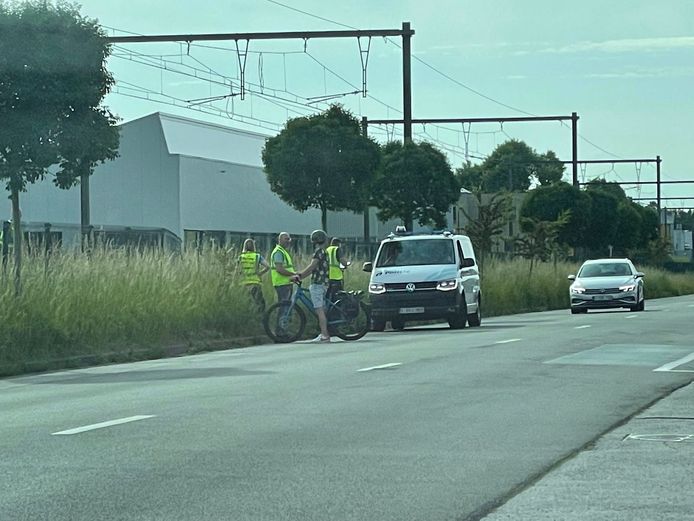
<point x="194" y="138"/>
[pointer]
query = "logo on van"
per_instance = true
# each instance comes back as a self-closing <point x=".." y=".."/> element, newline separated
<point x="410" y="287"/>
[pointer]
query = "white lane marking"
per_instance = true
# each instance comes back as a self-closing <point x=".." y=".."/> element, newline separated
<point x="508" y="341"/>
<point x="583" y="327"/>
<point x="671" y="366"/>
<point x="384" y="366"/>
<point x="101" y="425"/>
<point x="690" y="306"/>
<point x="631" y="316"/>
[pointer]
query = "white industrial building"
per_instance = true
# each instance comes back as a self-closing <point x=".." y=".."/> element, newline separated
<point x="196" y="179"/>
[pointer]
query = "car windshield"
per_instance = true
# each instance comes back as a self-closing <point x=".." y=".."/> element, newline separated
<point x="608" y="269"/>
<point x="416" y="252"/>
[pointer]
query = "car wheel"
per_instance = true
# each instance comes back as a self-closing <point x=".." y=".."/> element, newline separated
<point x="378" y="324"/>
<point x="641" y="305"/>
<point x="475" y="319"/>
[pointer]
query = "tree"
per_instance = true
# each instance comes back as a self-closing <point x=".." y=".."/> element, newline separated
<point x="547" y="203"/>
<point x="490" y="222"/>
<point x="415" y="182"/>
<point x="509" y="167"/>
<point x="512" y="166"/>
<point x="549" y="169"/>
<point x="603" y="223"/>
<point x="322" y="161"/>
<point x="52" y="82"/>
<point x="470" y="177"/>
<point x="541" y="239"/>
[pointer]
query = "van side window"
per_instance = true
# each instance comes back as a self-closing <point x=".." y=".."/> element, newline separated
<point x="460" y="251"/>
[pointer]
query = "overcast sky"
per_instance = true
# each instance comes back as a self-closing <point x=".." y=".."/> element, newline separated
<point x="625" y="66"/>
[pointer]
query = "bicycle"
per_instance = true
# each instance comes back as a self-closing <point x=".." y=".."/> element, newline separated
<point x="348" y="316"/>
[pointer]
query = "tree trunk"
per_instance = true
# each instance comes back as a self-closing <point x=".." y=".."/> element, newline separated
<point x="324" y="219"/>
<point x="367" y="231"/>
<point x="17" y="241"/>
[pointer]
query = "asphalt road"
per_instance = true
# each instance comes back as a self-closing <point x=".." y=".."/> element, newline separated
<point x="450" y="426"/>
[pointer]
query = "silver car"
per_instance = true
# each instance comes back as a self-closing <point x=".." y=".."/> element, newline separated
<point x="606" y="283"/>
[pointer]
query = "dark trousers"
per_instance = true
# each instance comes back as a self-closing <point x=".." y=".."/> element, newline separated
<point x="256" y="293"/>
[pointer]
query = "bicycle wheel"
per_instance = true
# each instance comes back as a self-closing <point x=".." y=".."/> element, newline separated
<point x="349" y="319"/>
<point x="284" y="328"/>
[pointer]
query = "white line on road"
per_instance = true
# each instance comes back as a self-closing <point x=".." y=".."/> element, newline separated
<point x="672" y="365"/>
<point x="384" y="366"/>
<point x="631" y="316"/>
<point x="690" y="306"/>
<point x="101" y="425"/>
<point x="583" y="327"/>
<point x="508" y="341"/>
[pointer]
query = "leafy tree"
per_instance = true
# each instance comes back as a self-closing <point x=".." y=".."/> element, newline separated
<point x="602" y="225"/>
<point x="512" y="166"/>
<point x="509" y="167"/>
<point x="685" y="218"/>
<point x="322" y="161"/>
<point x="415" y="182"/>
<point x="541" y="238"/>
<point x="470" y="177"/>
<point x="611" y="188"/>
<point x="547" y="203"/>
<point x="52" y="82"/>
<point x="549" y="169"/>
<point x="490" y="222"/>
<point x="629" y="225"/>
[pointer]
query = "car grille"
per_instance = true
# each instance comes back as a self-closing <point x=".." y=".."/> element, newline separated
<point x="418" y="286"/>
<point x="405" y="300"/>
<point x="601" y="291"/>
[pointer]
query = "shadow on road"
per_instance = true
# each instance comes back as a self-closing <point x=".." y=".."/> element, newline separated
<point x="149" y="375"/>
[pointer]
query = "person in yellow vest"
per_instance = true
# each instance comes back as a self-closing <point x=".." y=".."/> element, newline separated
<point x="337" y="266"/>
<point x="282" y="270"/>
<point x="253" y="266"/>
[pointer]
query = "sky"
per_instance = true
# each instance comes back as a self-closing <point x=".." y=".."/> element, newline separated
<point x="626" y="67"/>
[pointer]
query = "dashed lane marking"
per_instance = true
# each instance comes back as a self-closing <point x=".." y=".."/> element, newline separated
<point x="631" y="316"/>
<point x="384" y="366"/>
<point x="102" y="425"/>
<point x="583" y="327"/>
<point x="508" y="341"/>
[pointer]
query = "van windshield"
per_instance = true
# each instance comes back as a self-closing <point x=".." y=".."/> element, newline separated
<point x="416" y="252"/>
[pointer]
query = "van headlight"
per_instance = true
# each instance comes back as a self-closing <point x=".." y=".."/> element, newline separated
<point x="376" y="289"/>
<point x="578" y="290"/>
<point x="447" y="285"/>
<point x="628" y="287"/>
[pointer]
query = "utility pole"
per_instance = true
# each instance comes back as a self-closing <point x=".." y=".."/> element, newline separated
<point x="367" y="231"/>
<point x="406" y="81"/>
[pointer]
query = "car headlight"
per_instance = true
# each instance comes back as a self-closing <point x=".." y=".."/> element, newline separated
<point x="628" y="287"/>
<point x="377" y="288"/>
<point x="447" y="285"/>
<point x="578" y="289"/>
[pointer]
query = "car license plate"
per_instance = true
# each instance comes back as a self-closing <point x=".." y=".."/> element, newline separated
<point x="602" y="297"/>
<point x="404" y="311"/>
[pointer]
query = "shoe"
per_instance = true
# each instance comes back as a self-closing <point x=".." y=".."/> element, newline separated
<point x="321" y="339"/>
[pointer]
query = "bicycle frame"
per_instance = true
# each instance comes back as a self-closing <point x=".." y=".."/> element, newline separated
<point x="303" y="296"/>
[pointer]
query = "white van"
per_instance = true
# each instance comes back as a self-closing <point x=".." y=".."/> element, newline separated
<point x="424" y="277"/>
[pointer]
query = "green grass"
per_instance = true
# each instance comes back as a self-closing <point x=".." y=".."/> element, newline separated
<point x="119" y="306"/>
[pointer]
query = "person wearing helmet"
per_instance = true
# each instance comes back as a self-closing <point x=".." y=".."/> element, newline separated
<point x="318" y="269"/>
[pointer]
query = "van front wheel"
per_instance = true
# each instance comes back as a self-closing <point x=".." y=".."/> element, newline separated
<point x="459" y="320"/>
<point x="476" y="318"/>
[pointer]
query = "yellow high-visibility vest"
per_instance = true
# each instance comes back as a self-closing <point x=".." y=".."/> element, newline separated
<point x="250" y="261"/>
<point x="277" y="278"/>
<point x="334" y="273"/>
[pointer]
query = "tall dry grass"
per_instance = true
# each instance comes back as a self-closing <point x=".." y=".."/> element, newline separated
<point x="116" y="302"/>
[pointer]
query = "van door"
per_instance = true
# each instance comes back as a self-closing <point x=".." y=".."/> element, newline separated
<point x="469" y="276"/>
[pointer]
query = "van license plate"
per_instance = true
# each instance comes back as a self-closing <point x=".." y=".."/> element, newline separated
<point x="404" y="311"/>
<point x="603" y="297"/>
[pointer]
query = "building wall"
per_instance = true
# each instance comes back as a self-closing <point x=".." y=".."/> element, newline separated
<point x="141" y="186"/>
